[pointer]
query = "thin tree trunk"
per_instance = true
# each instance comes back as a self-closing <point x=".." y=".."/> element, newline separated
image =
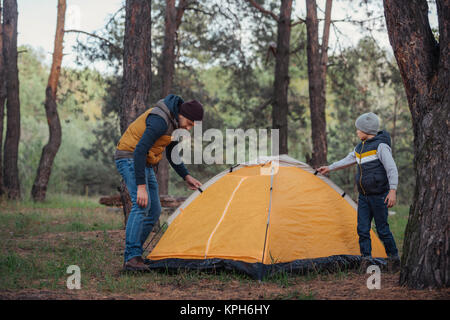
<point x="11" y="147"/>
<point x="39" y="189"/>
<point x="317" y="76"/>
<point x="280" y="108"/>
<point x="2" y="100"/>
<point x="136" y="80"/>
<point x="173" y="16"/>
<point x="167" y="61"/>
<point x="424" y="66"/>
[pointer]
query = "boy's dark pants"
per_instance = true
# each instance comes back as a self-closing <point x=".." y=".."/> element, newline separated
<point x="373" y="206"/>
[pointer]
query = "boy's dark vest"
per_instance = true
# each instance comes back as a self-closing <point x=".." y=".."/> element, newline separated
<point x="371" y="177"/>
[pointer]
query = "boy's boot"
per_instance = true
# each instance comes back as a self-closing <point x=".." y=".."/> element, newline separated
<point x="366" y="261"/>
<point x="393" y="264"/>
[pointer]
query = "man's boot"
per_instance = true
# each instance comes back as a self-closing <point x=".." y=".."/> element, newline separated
<point x="135" y="264"/>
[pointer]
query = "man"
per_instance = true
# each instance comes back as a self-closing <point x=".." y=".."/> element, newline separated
<point x="140" y="148"/>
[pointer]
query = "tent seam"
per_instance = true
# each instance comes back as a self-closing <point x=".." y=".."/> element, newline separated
<point x="223" y="215"/>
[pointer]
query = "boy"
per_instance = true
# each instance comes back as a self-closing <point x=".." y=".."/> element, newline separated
<point x="377" y="180"/>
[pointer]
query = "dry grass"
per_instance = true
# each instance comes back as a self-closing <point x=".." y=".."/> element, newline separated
<point x="40" y="242"/>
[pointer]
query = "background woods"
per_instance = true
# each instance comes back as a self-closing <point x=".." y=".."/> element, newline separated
<point x="290" y="65"/>
<point x="49" y="151"/>
<point x="228" y="56"/>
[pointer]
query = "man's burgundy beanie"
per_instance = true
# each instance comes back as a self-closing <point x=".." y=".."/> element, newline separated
<point x="193" y="110"/>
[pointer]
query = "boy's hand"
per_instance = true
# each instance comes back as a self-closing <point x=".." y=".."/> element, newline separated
<point x="324" y="170"/>
<point x="192" y="183"/>
<point x="142" y="196"/>
<point x="391" y="198"/>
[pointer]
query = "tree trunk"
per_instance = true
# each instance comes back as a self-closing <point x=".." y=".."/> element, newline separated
<point x="317" y="77"/>
<point x="394" y="126"/>
<point x="424" y="66"/>
<point x="2" y="100"/>
<point x="11" y="148"/>
<point x="173" y="16"/>
<point x="136" y="80"/>
<point x="39" y="189"/>
<point x="126" y="202"/>
<point x="280" y="108"/>
<point x="167" y="61"/>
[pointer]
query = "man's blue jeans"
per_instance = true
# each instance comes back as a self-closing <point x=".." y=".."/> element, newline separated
<point x="373" y="207"/>
<point x="141" y="220"/>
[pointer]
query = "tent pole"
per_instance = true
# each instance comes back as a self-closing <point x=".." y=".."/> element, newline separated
<point x="268" y="219"/>
<point x="155" y="235"/>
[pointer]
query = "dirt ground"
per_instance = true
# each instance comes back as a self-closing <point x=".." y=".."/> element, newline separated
<point x="347" y="286"/>
<point x="349" y="289"/>
<point x="353" y="288"/>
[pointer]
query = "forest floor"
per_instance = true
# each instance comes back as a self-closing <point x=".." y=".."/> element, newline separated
<point x="39" y="242"/>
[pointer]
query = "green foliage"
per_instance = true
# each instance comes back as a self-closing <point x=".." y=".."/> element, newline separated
<point x="397" y="224"/>
<point x="364" y="79"/>
<point x="80" y="99"/>
<point x="223" y="60"/>
<point x="40" y="240"/>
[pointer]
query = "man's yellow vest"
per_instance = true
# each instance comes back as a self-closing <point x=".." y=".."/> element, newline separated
<point x="134" y="133"/>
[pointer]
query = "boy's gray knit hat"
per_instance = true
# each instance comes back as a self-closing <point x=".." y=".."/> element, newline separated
<point x="368" y="123"/>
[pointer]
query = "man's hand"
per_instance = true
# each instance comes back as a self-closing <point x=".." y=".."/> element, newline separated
<point x="391" y="198"/>
<point x="142" y="196"/>
<point x="324" y="170"/>
<point x="192" y="183"/>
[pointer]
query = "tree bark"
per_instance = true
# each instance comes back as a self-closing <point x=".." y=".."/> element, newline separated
<point x="136" y="80"/>
<point x="317" y="77"/>
<point x="424" y="66"/>
<point x="39" y="189"/>
<point x="173" y="16"/>
<point x="2" y="100"/>
<point x="394" y="126"/>
<point x="280" y="108"/>
<point x="11" y="147"/>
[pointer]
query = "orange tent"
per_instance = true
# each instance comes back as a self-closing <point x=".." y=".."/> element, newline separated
<point x="275" y="214"/>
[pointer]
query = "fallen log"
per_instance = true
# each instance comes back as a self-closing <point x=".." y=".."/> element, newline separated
<point x="170" y="201"/>
<point x="111" y="201"/>
<point x="166" y="201"/>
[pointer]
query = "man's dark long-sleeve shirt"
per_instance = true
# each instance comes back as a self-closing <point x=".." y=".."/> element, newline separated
<point x="155" y="128"/>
